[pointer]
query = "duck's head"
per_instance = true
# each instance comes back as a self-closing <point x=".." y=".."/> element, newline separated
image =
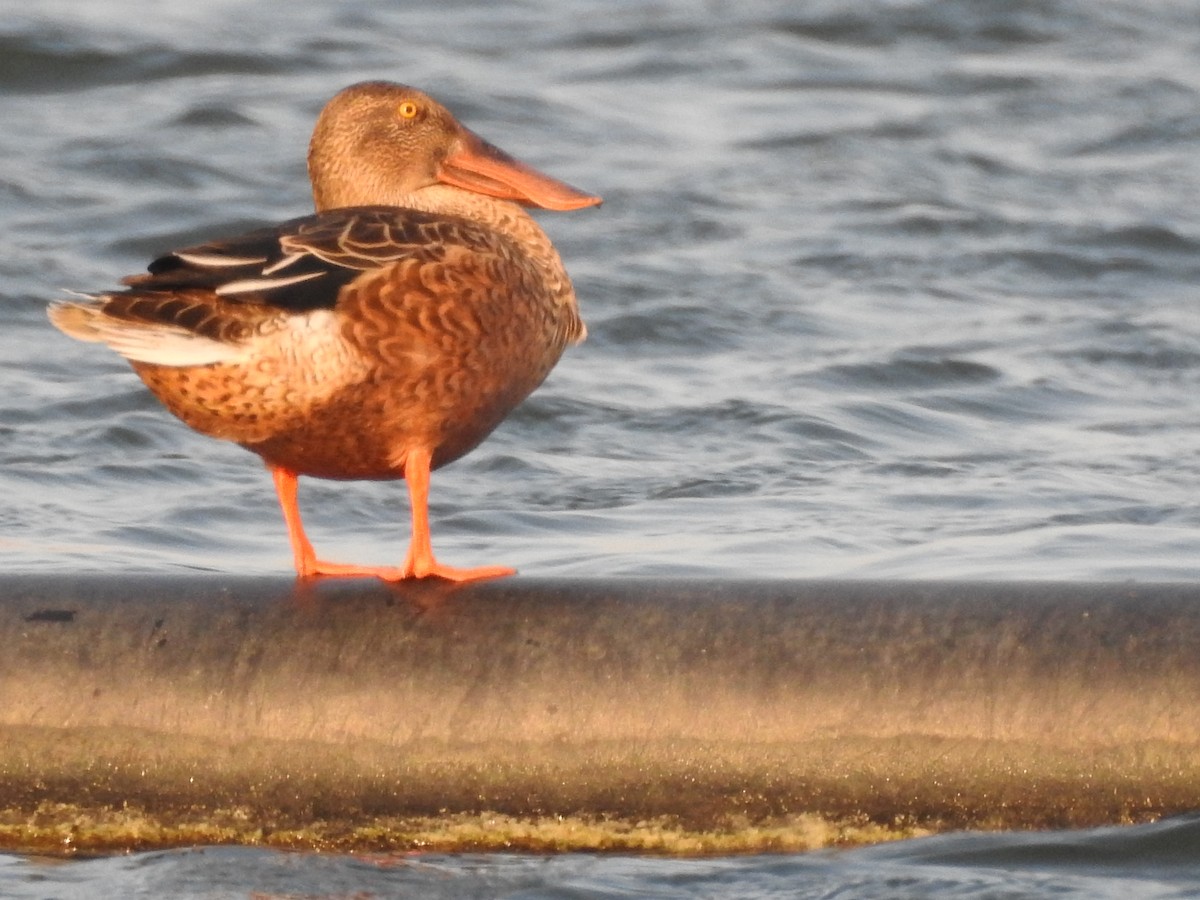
<point x="378" y="142"/>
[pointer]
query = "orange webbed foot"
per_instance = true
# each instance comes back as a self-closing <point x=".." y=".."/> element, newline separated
<point x="423" y="568"/>
<point x="420" y="562"/>
<point x="418" y="565"/>
<point x="319" y="568"/>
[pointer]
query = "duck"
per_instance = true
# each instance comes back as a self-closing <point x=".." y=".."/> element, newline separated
<point x="379" y="338"/>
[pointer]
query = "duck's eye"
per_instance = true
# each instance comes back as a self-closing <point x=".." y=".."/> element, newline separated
<point x="407" y="109"/>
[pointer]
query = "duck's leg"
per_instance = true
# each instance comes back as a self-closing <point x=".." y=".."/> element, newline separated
<point x="307" y="564"/>
<point x="420" y="562"/>
<point x="286" y="489"/>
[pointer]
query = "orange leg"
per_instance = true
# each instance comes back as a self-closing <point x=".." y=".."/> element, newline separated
<point x="419" y="563"/>
<point x="305" y="558"/>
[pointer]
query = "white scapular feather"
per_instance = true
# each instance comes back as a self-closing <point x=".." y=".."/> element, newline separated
<point x="250" y="285"/>
<point x="284" y="262"/>
<point x="218" y="260"/>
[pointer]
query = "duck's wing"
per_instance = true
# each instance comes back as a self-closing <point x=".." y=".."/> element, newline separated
<point x="302" y="264"/>
<point x="206" y="303"/>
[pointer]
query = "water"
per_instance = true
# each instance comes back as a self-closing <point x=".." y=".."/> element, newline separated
<point x="897" y="289"/>
<point x="887" y="289"/>
<point x="1153" y="862"/>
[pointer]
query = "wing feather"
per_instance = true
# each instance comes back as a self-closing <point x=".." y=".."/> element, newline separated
<point x="207" y="303"/>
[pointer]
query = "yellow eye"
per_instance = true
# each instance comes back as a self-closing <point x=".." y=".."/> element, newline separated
<point x="407" y="109"/>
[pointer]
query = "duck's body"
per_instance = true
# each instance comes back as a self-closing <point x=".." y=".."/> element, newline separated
<point x="380" y="338"/>
<point x="418" y="329"/>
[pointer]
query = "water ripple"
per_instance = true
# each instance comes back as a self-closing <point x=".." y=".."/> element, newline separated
<point x="904" y="289"/>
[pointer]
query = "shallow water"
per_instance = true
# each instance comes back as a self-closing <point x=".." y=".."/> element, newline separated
<point x="1153" y="862"/>
<point x="891" y="289"/>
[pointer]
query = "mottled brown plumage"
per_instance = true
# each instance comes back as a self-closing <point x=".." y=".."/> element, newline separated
<point x="384" y="336"/>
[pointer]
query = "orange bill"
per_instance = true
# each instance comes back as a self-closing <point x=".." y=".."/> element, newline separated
<point x="478" y="166"/>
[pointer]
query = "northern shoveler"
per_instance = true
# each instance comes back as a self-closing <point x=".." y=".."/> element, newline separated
<point x="380" y="338"/>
